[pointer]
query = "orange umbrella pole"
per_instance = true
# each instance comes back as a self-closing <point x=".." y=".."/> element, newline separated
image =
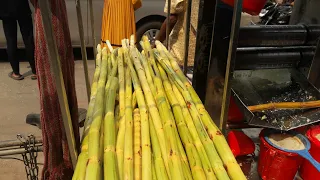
<point x="285" y="105"/>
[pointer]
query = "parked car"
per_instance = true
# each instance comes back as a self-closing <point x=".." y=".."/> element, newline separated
<point x="148" y="21"/>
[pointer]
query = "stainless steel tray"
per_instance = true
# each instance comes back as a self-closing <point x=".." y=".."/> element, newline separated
<point x="253" y="87"/>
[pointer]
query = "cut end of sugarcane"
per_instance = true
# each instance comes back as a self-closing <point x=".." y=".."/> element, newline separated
<point x="98" y="48"/>
<point x="132" y="41"/>
<point x="145" y="38"/>
<point x="124" y="43"/>
<point x="109" y="46"/>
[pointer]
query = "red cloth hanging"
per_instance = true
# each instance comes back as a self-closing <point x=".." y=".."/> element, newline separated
<point x="57" y="162"/>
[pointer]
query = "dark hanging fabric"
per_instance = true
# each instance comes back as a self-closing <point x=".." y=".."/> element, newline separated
<point x="57" y="161"/>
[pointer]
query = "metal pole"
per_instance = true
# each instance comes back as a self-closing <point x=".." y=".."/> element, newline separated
<point x="94" y="42"/>
<point x="230" y="63"/>
<point x="168" y="25"/>
<point x="14" y="143"/>
<point x="186" y="37"/>
<point x="83" y="49"/>
<point x="54" y="60"/>
<point x="18" y="151"/>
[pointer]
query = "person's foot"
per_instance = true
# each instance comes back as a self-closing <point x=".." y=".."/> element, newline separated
<point x="34" y="77"/>
<point x="15" y="76"/>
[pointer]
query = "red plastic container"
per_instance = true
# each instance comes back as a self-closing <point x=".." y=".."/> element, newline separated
<point x="234" y="114"/>
<point x="252" y="7"/>
<point x="240" y="144"/>
<point x="307" y="171"/>
<point x="275" y="164"/>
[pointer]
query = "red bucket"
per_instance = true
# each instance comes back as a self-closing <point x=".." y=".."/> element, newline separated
<point x="307" y="171"/>
<point x="252" y="7"/>
<point x="275" y="164"/>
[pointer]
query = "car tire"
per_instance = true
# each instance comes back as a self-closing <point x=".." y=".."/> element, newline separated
<point x="142" y="29"/>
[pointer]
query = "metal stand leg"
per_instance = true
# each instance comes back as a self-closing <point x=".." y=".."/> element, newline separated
<point x="207" y="11"/>
<point x="83" y="48"/>
<point x="230" y="64"/>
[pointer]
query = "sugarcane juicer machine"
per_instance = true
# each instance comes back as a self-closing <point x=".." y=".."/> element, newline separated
<point x="272" y="64"/>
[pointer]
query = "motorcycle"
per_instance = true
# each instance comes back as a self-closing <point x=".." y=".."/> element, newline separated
<point x="275" y="14"/>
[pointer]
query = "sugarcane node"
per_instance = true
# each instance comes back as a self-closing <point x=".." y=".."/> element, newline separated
<point x="218" y="133"/>
<point x="188" y="104"/>
<point x="171" y="152"/>
<point x="210" y="136"/>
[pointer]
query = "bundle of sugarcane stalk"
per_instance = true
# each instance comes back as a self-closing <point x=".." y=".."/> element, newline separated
<point x="145" y="121"/>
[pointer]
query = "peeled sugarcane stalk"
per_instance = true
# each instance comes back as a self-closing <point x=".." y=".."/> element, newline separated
<point x="80" y="171"/>
<point x="175" y="163"/>
<point x="158" y="165"/>
<point x="137" y="145"/>
<point x="233" y="168"/>
<point x="185" y="124"/>
<point x="151" y="105"/>
<point x="128" y="145"/>
<point x="110" y="163"/>
<point x="145" y="133"/>
<point x="93" y="168"/>
<point x="285" y="105"/>
<point x="121" y="132"/>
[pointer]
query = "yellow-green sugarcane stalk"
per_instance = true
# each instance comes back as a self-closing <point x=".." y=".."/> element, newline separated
<point x="149" y="73"/>
<point x="128" y="146"/>
<point x="113" y="58"/>
<point x="117" y="116"/>
<point x="154" y="176"/>
<point x="149" y="53"/>
<point x="121" y="131"/>
<point x="83" y="157"/>
<point x="151" y="59"/>
<point x="93" y="168"/>
<point x="93" y="90"/>
<point x="134" y="100"/>
<point x="109" y="65"/>
<point x="110" y="163"/>
<point x="175" y="163"/>
<point x="158" y="162"/>
<point x="151" y="105"/>
<point x="215" y="134"/>
<point x="145" y="133"/>
<point x="213" y="156"/>
<point x="80" y="171"/>
<point x="181" y="152"/>
<point x="137" y="145"/>
<point x="182" y="114"/>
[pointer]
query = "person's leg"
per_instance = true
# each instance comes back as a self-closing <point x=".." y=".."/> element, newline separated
<point x="10" y="31"/>
<point x="26" y="29"/>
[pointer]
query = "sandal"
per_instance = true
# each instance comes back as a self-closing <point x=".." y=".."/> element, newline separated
<point x="20" y="77"/>
<point x="34" y="77"/>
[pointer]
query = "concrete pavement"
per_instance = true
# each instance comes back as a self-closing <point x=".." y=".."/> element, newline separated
<point x="19" y="98"/>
